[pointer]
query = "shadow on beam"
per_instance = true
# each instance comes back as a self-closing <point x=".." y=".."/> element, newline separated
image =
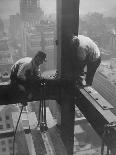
<point x="5" y="93"/>
<point x="12" y="94"/>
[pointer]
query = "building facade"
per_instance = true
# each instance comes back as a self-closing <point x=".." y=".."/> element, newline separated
<point x="30" y="11"/>
<point x="42" y="37"/>
<point x="6" y="126"/>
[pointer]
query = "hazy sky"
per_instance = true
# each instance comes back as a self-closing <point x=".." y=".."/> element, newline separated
<point x="96" y="5"/>
<point x="49" y="6"/>
<point x="8" y="7"/>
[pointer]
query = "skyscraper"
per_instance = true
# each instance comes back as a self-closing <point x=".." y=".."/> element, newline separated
<point x="25" y="5"/>
<point x="30" y="10"/>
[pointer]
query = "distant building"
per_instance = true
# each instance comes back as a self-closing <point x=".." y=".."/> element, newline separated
<point x="1" y="28"/>
<point x="49" y="46"/>
<point x="15" y="26"/>
<point x="4" y="45"/>
<point x="6" y="61"/>
<point x="112" y="43"/>
<point x="31" y="12"/>
<point x="16" y="36"/>
<point x="33" y="41"/>
<point x="6" y="126"/>
<point x="42" y="37"/>
<point x="6" y="122"/>
<point x="6" y="146"/>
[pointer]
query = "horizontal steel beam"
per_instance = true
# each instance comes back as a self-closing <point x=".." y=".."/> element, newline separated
<point x="93" y="106"/>
<point x="12" y="93"/>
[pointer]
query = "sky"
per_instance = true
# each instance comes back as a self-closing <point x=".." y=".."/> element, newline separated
<point x="49" y="6"/>
<point x="8" y="7"/>
<point x="96" y="5"/>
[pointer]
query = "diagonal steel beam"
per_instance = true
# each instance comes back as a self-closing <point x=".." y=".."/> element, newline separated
<point x="92" y="104"/>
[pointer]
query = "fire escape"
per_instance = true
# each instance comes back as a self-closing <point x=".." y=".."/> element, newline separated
<point x="99" y="113"/>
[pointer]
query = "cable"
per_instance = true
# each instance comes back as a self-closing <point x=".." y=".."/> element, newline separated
<point x="16" y="129"/>
<point x="28" y="120"/>
<point x="44" y="103"/>
<point x="42" y="109"/>
<point x="102" y="147"/>
<point x="39" y="115"/>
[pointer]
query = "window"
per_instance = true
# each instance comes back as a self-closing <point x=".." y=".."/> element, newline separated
<point x="3" y="149"/>
<point x="10" y="141"/>
<point x="0" y="118"/>
<point x="2" y="142"/>
<point x="8" y="126"/>
<point x="7" y="117"/>
<point x="1" y="127"/>
<point x="10" y="148"/>
<point x="24" y="109"/>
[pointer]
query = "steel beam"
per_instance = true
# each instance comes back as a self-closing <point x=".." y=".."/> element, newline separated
<point x="67" y="26"/>
<point x="90" y="103"/>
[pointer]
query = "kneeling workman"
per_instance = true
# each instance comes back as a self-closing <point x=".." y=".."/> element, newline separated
<point x="25" y="70"/>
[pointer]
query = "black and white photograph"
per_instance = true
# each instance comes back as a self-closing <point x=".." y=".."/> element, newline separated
<point x="57" y="77"/>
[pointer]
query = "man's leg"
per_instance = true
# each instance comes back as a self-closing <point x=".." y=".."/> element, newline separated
<point x="80" y="72"/>
<point x="91" y="69"/>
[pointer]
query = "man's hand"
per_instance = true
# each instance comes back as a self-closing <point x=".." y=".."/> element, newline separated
<point x="75" y="41"/>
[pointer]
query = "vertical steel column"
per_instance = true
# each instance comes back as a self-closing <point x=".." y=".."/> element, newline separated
<point x="67" y="26"/>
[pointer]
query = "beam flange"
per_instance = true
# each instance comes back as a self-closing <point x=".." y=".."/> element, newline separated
<point x="98" y="117"/>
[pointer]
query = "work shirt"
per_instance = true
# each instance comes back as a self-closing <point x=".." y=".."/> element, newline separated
<point x="86" y="48"/>
<point x="23" y="69"/>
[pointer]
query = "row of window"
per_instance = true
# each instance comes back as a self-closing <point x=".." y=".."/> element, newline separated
<point x="3" y="141"/>
<point x="4" y="150"/>
<point x="8" y="126"/>
<point x="49" y="42"/>
<point x="7" y="117"/>
<point x="4" y="146"/>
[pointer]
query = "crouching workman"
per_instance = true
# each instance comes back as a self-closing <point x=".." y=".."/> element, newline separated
<point x="87" y="54"/>
<point x="25" y="70"/>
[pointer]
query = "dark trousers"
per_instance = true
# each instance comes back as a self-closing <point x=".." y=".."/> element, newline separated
<point x="91" y="69"/>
